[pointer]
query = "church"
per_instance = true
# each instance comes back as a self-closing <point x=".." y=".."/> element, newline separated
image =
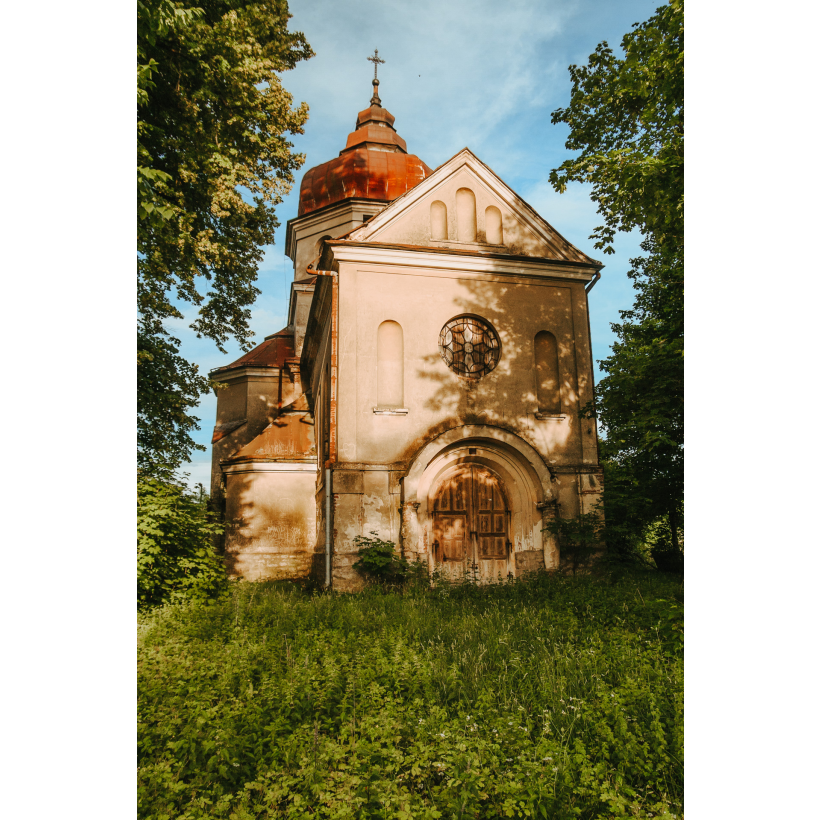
<point x="428" y="386"/>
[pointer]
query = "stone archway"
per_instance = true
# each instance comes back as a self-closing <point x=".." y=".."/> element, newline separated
<point x="523" y="479"/>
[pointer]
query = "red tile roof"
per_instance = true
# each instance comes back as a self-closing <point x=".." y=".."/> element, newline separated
<point x="271" y="353"/>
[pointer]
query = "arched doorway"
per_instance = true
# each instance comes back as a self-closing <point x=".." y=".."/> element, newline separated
<point x="470" y="513"/>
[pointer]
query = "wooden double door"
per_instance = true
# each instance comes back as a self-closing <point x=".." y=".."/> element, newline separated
<point x="471" y="525"/>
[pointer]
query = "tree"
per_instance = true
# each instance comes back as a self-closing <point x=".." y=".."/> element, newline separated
<point x="212" y="162"/>
<point x="626" y="119"/>
<point x="175" y="556"/>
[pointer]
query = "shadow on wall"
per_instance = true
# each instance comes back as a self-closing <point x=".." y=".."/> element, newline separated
<point x="524" y="382"/>
<point x="270" y="518"/>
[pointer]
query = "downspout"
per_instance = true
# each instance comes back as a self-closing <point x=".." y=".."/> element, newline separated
<point x="592" y="282"/>
<point x="587" y="288"/>
<point x="332" y="422"/>
<point x="328" y="525"/>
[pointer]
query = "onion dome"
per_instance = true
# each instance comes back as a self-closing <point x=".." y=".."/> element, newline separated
<point x="373" y="165"/>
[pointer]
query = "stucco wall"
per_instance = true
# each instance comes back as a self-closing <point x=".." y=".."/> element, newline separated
<point x="271" y="523"/>
<point x="422" y="301"/>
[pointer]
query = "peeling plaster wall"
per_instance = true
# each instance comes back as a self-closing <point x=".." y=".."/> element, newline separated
<point x="271" y="524"/>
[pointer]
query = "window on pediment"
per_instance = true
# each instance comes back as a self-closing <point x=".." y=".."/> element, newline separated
<point x="438" y="220"/>
<point x="465" y="215"/>
<point x="492" y="226"/>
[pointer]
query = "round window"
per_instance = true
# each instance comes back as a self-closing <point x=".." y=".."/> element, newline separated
<point x="470" y="346"/>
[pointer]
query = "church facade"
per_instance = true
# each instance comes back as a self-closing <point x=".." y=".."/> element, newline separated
<point x="428" y="386"/>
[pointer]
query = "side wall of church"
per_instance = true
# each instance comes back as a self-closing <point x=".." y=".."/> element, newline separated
<point x="249" y="401"/>
<point x="271" y="522"/>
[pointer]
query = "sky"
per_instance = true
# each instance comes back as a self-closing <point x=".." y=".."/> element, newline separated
<point x="485" y="75"/>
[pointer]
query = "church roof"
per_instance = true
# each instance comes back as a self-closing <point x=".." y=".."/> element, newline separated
<point x="373" y="165"/>
<point x="271" y="353"/>
<point x="289" y="437"/>
<point x="526" y="232"/>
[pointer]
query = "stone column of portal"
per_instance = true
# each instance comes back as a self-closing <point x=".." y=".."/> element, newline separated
<point x="411" y="547"/>
<point x="549" y="512"/>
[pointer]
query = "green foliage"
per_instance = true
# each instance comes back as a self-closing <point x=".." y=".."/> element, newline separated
<point x="380" y="560"/>
<point x="168" y="388"/>
<point x="559" y="697"/>
<point x="175" y="555"/>
<point x="578" y="538"/>
<point x="626" y="119"/>
<point x="212" y="162"/>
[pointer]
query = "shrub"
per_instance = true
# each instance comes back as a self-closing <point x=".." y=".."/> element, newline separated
<point x="380" y="560"/>
<point x="578" y="538"/>
<point x="176" y="559"/>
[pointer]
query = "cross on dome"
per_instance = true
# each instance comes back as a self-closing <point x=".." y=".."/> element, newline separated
<point x="376" y="60"/>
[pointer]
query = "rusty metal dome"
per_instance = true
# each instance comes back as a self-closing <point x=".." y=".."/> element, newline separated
<point x="373" y="165"/>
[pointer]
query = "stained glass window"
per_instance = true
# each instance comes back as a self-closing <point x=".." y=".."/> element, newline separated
<point x="470" y="346"/>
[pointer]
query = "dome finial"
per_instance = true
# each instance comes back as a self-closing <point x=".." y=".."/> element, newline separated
<point x="375" y="100"/>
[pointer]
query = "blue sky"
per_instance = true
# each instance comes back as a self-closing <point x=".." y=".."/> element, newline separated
<point x="480" y="74"/>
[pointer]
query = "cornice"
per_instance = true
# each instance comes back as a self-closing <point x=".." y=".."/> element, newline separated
<point x="419" y="256"/>
<point x="237" y="373"/>
<point x="270" y="466"/>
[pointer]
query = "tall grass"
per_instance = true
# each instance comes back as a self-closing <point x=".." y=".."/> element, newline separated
<point x="556" y="697"/>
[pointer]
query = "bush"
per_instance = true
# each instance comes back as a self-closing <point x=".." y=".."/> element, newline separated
<point x="578" y="538"/>
<point x="176" y="559"/>
<point x="380" y="560"/>
<point x="557" y="697"/>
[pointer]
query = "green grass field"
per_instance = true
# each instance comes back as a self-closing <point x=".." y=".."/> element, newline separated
<point x="556" y="697"/>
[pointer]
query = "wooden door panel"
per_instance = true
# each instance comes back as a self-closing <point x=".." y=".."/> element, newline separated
<point x="471" y="524"/>
<point x="452" y="538"/>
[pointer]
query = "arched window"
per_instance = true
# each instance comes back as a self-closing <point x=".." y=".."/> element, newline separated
<point x="319" y="241"/>
<point x="492" y="226"/>
<point x="390" y="367"/>
<point x="438" y="220"/>
<point x="546" y="373"/>
<point x="465" y="215"/>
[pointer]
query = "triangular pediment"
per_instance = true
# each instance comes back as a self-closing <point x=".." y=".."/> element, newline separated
<point x="438" y="213"/>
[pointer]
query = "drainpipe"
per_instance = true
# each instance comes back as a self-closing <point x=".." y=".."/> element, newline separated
<point x="592" y="282"/>
<point x="328" y="525"/>
<point x="587" y="288"/>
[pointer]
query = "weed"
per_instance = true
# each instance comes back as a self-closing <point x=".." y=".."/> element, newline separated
<point x="556" y="697"/>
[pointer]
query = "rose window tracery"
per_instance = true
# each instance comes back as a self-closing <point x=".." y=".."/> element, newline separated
<point x="469" y="346"/>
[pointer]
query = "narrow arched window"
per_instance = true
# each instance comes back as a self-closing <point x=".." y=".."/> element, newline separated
<point x="390" y="368"/>
<point x="465" y="214"/>
<point x="492" y="226"/>
<point x="546" y="373"/>
<point x="438" y="220"/>
<point x="319" y="241"/>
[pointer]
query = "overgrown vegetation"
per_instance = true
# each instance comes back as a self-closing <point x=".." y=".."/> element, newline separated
<point x="381" y="561"/>
<point x="578" y="538"/>
<point x="556" y="697"/>
<point x="176" y="560"/>
<point x="626" y="117"/>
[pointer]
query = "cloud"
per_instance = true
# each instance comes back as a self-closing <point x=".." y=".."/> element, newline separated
<point x="459" y="73"/>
